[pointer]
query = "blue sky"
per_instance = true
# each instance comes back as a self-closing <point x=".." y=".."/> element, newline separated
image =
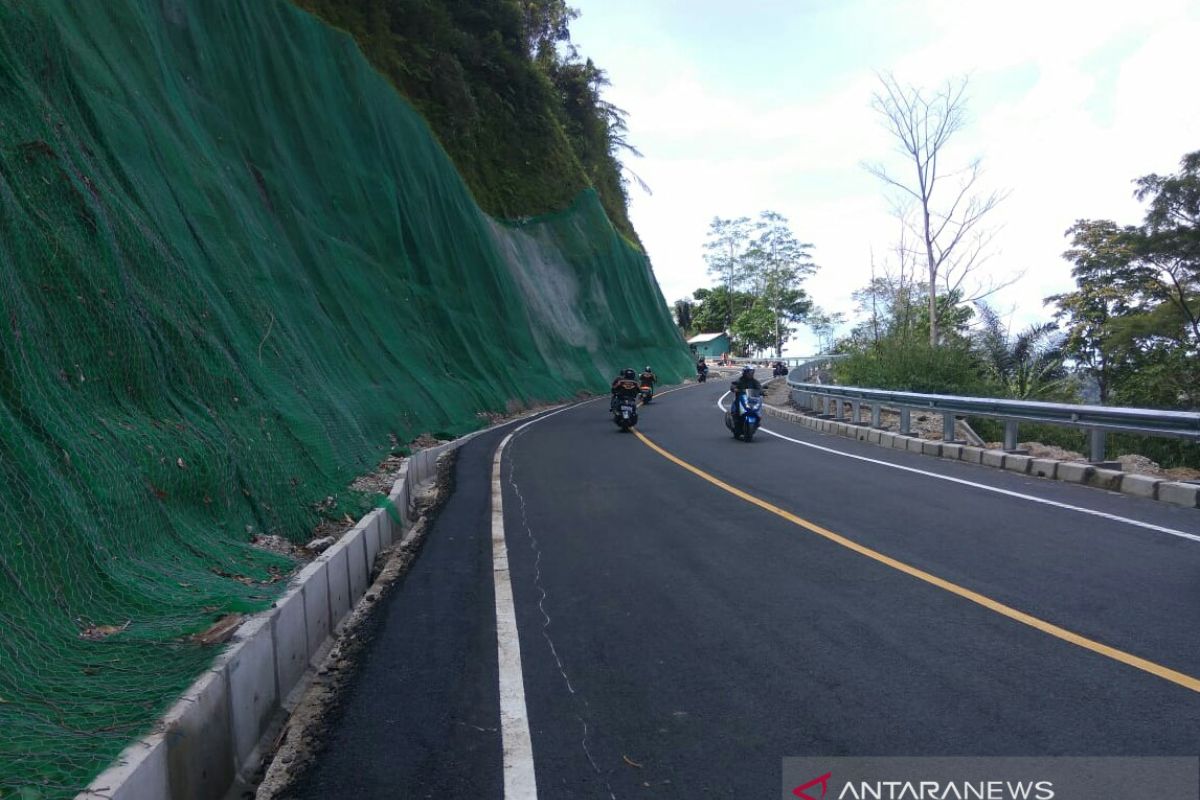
<point x="740" y="107"/>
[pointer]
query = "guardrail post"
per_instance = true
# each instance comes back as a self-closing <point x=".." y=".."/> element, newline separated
<point x="1010" y="435"/>
<point x="905" y="422"/>
<point x="948" y="433"/>
<point x="1097" y="445"/>
<point x="876" y="423"/>
<point x="855" y="412"/>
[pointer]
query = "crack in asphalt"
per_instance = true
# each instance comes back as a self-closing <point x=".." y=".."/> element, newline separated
<point x="537" y="583"/>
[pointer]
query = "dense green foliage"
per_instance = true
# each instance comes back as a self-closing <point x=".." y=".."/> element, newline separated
<point x="525" y="125"/>
<point x="913" y="365"/>
<point x="1133" y="321"/>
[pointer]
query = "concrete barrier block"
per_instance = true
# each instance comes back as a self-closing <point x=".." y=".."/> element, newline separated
<point x="139" y="772"/>
<point x="1180" y="494"/>
<point x="373" y="539"/>
<point x="971" y="455"/>
<point x="339" y="583"/>
<point x="914" y="445"/>
<point x="253" y="699"/>
<point x="861" y="433"/>
<point x="1073" y="471"/>
<point x="401" y="482"/>
<point x="1017" y="463"/>
<point x="993" y="458"/>
<point x="290" y="634"/>
<point x="316" y="605"/>
<point x="1109" y="479"/>
<point x="1140" y="485"/>
<point x="356" y="555"/>
<point x="199" y="740"/>
<point x="875" y="437"/>
<point x="952" y="451"/>
<point x="901" y="442"/>
<point x="931" y="448"/>
<point x="1043" y="467"/>
<point x="886" y="438"/>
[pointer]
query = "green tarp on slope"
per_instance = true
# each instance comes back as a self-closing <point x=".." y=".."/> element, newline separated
<point x="235" y="270"/>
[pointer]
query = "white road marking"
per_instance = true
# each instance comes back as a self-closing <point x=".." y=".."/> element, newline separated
<point x="1031" y="498"/>
<point x="520" y="782"/>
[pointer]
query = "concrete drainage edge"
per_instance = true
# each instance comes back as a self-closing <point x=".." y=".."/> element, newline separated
<point x="1146" y="486"/>
<point x="213" y="733"/>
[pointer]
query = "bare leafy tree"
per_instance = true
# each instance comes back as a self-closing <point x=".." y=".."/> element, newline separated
<point x="943" y="208"/>
<point x="725" y="253"/>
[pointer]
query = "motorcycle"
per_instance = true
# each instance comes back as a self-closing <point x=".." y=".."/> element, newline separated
<point x="746" y="423"/>
<point x="647" y="392"/>
<point x="625" y="413"/>
<point x="702" y="375"/>
<point x="780" y="370"/>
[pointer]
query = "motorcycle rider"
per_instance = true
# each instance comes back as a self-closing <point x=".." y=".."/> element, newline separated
<point x="701" y="366"/>
<point x="648" y="378"/>
<point x="624" y="385"/>
<point x="739" y="387"/>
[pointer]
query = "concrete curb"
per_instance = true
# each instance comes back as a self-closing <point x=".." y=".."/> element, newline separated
<point x="1145" y="486"/>
<point x="215" y="731"/>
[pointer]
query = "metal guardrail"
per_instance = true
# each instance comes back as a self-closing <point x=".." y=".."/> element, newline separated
<point x="793" y="362"/>
<point x="1097" y="420"/>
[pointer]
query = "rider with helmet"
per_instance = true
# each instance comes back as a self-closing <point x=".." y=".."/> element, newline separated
<point x="648" y="378"/>
<point x="743" y="383"/>
<point x="624" y="385"/>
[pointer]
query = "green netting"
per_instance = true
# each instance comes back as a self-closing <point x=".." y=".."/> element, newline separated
<point x="233" y="266"/>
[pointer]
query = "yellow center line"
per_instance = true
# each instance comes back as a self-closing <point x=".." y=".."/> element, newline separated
<point x="1166" y="673"/>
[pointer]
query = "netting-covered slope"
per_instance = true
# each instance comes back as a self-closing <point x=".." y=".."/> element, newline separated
<point x="234" y="264"/>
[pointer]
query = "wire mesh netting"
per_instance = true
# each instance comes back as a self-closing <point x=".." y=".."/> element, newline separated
<point x="235" y="270"/>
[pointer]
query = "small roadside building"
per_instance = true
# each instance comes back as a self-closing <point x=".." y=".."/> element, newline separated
<point x="709" y="345"/>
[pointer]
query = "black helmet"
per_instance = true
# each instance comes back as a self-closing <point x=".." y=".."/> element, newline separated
<point x="747" y="368"/>
<point x="627" y="373"/>
<point x="647" y="369"/>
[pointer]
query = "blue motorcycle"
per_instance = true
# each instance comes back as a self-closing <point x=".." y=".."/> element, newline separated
<point x="745" y="424"/>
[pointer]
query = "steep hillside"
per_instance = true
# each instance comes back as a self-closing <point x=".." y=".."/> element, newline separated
<point x="235" y="270"/>
<point x="527" y="131"/>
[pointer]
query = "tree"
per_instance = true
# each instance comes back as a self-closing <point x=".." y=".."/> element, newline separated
<point x="683" y="315"/>
<point x="710" y="313"/>
<point x="777" y="264"/>
<point x="726" y="256"/>
<point x="1169" y="244"/>
<point x="952" y="238"/>
<point x="1027" y="366"/>
<point x="1103" y="255"/>
<point x="754" y="329"/>
<point x="545" y="23"/>
<point x="824" y="325"/>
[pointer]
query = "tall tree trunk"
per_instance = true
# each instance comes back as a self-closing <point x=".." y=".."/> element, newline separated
<point x="933" y="270"/>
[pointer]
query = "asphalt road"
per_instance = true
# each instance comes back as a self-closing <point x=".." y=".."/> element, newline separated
<point x="678" y="640"/>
